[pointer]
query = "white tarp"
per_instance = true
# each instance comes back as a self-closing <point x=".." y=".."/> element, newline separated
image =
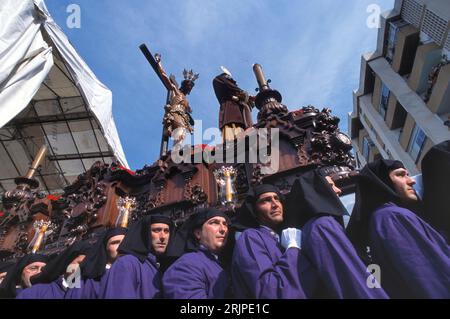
<point x="26" y="60"/>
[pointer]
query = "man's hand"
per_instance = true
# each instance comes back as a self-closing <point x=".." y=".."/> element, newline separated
<point x="2" y="276"/>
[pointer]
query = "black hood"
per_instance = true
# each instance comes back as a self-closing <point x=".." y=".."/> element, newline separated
<point x="436" y="184"/>
<point x="246" y="215"/>
<point x="311" y="195"/>
<point x="137" y="241"/>
<point x="58" y="265"/>
<point x="94" y="264"/>
<point x="184" y="240"/>
<point x="373" y="189"/>
<point x="13" y="278"/>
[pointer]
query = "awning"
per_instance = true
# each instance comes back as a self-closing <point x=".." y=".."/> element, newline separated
<point x="48" y="95"/>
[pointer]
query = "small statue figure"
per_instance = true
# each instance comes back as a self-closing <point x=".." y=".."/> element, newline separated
<point x="235" y="113"/>
<point x="433" y="77"/>
<point x="177" y="119"/>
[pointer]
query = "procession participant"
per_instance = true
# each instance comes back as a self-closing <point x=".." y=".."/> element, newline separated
<point x="18" y="276"/>
<point x="136" y="274"/>
<point x="199" y="274"/>
<point x="60" y="273"/>
<point x="96" y="265"/>
<point x="413" y="257"/>
<point x="314" y="206"/>
<point x="435" y="178"/>
<point x="261" y="268"/>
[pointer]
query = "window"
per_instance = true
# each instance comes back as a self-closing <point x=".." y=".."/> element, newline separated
<point x="367" y="144"/>
<point x="384" y="100"/>
<point x="394" y="27"/>
<point x="416" y="143"/>
<point x="434" y="26"/>
<point x="412" y="12"/>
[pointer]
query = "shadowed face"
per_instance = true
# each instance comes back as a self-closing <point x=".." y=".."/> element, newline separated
<point x="403" y="185"/>
<point x="160" y="234"/>
<point x="29" y="271"/>
<point x="269" y="210"/>
<point x="186" y="87"/>
<point x="213" y="234"/>
<point x="111" y="247"/>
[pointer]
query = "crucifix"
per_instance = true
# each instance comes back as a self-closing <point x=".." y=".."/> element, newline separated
<point x="177" y="121"/>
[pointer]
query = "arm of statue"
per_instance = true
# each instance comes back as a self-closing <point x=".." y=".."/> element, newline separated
<point x="164" y="76"/>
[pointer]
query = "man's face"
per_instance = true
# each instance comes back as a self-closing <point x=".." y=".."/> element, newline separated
<point x="111" y="247"/>
<point x="29" y="271"/>
<point x="269" y="210"/>
<point x="336" y="189"/>
<point x="160" y="234"/>
<point x="403" y="184"/>
<point x="213" y="234"/>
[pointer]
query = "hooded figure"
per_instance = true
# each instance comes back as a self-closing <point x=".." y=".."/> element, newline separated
<point x="54" y="280"/>
<point x="136" y="274"/>
<point x="5" y="267"/>
<point x="235" y="107"/>
<point x="413" y="257"/>
<point x="199" y="274"/>
<point x="94" y="267"/>
<point x="12" y="285"/>
<point x="436" y="177"/>
<point x="261" y="268"/>
<point x="311" y="196"/>
<point x="314" y="207"/>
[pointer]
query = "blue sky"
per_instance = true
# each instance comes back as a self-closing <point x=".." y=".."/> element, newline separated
<point x="310" y="49"/>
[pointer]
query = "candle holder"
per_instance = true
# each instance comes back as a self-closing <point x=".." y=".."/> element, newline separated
<point x="42" y="229"/>
<point x="226" y="178"/>
<point x="126" y="205"/>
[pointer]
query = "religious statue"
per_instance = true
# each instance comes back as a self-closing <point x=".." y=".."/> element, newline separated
<point x="177" y="119"/>
<point x="235" y="113"/>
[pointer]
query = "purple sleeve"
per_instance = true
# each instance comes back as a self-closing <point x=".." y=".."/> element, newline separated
<point x="42" y="291"/>
<point x="183" y="280"/>
<point x="414" y="258"/>
<point x="122" y="281"/>
<point x="262" y="272"/>
<point x="336" y="260"/>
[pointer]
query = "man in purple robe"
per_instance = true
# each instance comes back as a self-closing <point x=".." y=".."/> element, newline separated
<point x="136" y="274"/>
<point x="261" y="268"/>
<point x="199" y="274"/>
<point x="18" y="278"/>
<point x="413" y="257"/>
<point x="96" y="265"/>
<point x="435" y="178"/>
<point x="314" y="206"/>
<point x="58" y="275"/>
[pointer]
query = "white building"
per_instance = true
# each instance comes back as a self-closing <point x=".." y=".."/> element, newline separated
<point x="402" y="106"/>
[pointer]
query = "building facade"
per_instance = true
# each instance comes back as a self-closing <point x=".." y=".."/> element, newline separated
<point x="402" y="106"/>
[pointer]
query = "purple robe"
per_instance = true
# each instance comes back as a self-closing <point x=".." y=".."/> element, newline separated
<point x="336" y="261"/>
<point x="89" y="289"/>
<point x="414" y="258"/>
<point x="129" y="278"/>
<point x="195" y="275"/>
<point x="53" y="290"/>
<point x="260" y="269"/>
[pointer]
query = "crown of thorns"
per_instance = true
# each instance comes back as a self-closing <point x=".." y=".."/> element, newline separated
<point x="189" y="75"/>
